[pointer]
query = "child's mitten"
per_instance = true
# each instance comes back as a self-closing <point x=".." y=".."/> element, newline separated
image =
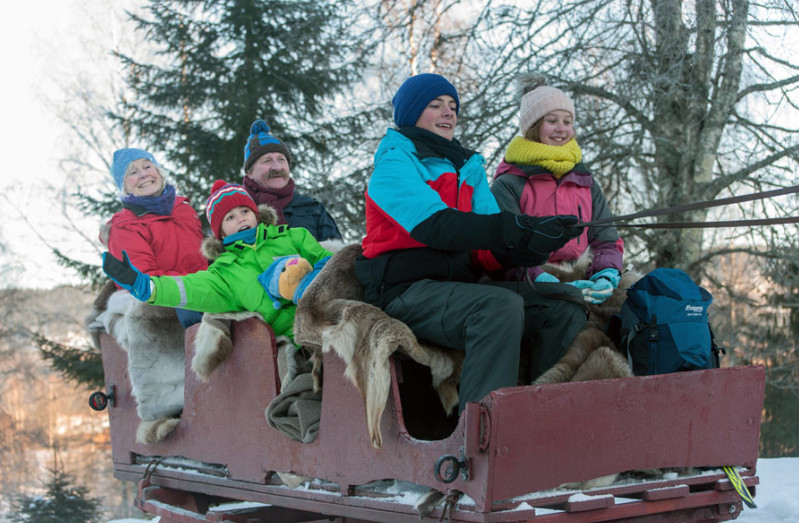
<point x="603" y="283"/>
<point x="127" y="276"/>
<point x="547" y="278"/>
<point x="600" y="290"/>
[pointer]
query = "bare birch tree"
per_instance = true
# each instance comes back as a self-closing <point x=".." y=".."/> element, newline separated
<point x="677" y="102"/>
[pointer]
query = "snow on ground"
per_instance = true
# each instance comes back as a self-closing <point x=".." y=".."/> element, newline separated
<point x="776" y="497"/>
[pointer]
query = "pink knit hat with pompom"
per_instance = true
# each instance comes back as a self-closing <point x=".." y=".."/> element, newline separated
<point x="539" y="102"/>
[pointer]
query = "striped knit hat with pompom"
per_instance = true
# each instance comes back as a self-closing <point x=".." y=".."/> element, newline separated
<point x="261" y="142"/>
<point x="224" y="198"/>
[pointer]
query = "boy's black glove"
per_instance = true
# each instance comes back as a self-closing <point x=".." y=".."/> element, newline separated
<point x="520" y="241"/>
<point x="530" y="240"/>
<point x="127" y="276"/>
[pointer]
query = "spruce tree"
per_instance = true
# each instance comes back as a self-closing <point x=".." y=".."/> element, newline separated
<point x="218" y="67"/>
<point x="222" y="65"/>
<point x="63" y="502"/>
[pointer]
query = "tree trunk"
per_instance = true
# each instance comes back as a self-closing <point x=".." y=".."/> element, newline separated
<point x="690" y="116"/>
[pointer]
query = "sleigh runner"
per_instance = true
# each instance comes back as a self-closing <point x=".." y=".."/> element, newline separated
<point x="503" y="459"/>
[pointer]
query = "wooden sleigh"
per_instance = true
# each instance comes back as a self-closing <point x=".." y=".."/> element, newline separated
<point x="502" y="460"/>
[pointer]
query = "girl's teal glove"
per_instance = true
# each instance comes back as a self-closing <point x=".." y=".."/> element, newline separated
<point x="612" y="275"/>
<point x="600" y="291"/>
<point x="603" y="283"/>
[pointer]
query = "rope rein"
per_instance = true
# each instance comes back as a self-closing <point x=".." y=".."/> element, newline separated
<point x="614" y="221"/>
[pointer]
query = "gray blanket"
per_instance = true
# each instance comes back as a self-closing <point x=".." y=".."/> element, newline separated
<point x="297" y="409"/>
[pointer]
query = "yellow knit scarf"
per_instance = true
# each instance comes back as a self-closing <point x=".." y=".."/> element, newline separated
<point x="557" y="159"/>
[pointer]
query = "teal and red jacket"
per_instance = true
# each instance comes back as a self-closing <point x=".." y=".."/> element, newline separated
<point x="406" y="238"/>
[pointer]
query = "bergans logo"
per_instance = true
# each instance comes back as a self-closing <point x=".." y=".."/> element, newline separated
<point x="694" y="310"/>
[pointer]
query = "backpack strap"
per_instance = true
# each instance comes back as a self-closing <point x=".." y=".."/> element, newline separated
<point x="622" y="329"/>
<point x="652" y="339"/>
<point x="716" y="350"/>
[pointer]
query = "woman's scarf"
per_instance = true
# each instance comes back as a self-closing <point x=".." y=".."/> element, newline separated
<point x="452" y="150"/>
<point x="161" y="205"/>
<point x="557" y="159"/>
<point x="278" y="199"/>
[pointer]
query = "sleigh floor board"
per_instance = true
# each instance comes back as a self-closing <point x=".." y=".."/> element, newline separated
<point x="508" y="455"/>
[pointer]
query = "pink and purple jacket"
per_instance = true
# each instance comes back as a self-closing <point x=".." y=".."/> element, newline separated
<point x="532" y="190"/>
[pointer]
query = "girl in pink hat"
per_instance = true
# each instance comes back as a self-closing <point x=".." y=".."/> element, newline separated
<point x="543" y="174"/>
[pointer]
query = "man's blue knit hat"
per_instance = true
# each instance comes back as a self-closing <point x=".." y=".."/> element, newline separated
<point x="416" y="92"/>
<point x="123" y="158"/>
<point x="261" y="142"/>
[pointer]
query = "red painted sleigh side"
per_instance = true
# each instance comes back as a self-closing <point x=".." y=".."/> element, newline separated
<point x="519" y="444"/>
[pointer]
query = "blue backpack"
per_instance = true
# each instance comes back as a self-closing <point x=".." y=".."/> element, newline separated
<point x="663" y="325"/>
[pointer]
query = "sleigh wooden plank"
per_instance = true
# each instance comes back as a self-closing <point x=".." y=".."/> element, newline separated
<point x="508" y="455"/>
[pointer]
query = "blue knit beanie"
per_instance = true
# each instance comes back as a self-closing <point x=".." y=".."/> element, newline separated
<point x="123" y="158"/>
<point x="416" y="92"/>
<point x="261" y="142"/>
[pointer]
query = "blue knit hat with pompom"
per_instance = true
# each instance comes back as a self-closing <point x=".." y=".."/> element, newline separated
<point x="261" y="142"/>
<point x="416" y="92"/>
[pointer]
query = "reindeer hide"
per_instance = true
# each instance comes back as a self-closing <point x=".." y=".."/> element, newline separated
<point x="154" y="341"/>
<point x="332" y="316"/>
<point x="592" y="355"/>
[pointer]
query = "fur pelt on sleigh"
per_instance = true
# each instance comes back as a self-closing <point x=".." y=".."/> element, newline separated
<point x="153" y="338"/>
<point x="332" y="316"/>
<point x="593" y="355"/>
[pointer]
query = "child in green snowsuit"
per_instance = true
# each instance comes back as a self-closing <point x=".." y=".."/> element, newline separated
<point x="246" y="275"/>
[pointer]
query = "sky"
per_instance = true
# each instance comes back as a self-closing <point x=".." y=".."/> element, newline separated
<point x="28" y="140"/>
<point x="45" y="46"/>
<point x="776" y="496"/>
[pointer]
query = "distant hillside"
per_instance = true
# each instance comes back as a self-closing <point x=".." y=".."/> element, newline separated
<point x="57" y="313"/>
<point x="41" y="414"/>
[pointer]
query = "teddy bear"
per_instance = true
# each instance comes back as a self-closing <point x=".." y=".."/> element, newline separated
<point x="287" y="278"/>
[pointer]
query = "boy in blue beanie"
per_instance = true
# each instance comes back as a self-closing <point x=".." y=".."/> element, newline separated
<point x="414" y="95"/>
<point x="433" y="230"/>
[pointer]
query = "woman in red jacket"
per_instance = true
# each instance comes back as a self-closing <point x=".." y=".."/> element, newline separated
<point x="160" y="231"/>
